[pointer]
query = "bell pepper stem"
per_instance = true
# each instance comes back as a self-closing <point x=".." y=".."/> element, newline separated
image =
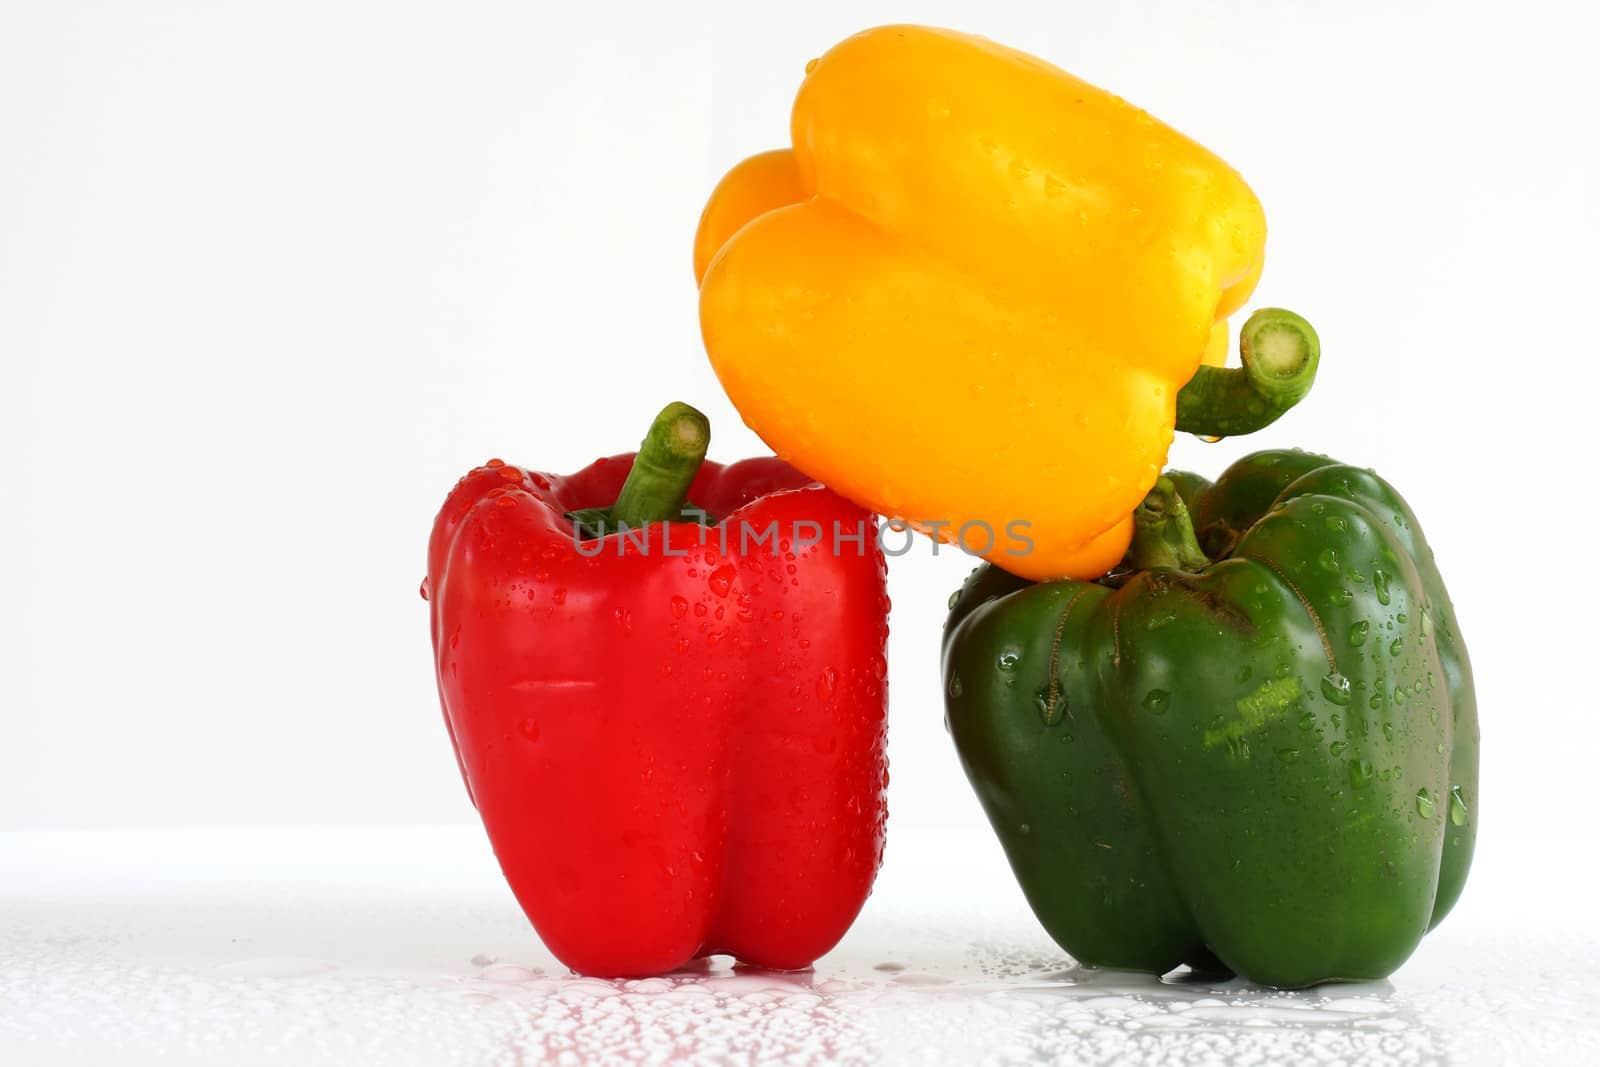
<point x="669" y="457"/>
<point x="1163" y="535"/>
<point x="1280" y="351"/>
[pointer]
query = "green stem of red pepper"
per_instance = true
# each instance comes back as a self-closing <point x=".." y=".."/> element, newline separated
<point x="669" y="457"/>
<point x="1279" y="350"/>
<point x="657" y="486"/>
<point x="1163" y="535"/>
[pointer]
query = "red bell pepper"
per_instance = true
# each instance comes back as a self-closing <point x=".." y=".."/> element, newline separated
<point x="674" y="734"/>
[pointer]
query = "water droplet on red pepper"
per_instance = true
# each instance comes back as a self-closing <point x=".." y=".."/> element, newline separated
<point x="529" y="729"/>
<point x="680" y="607"/>
<point x="721" y="579"/>
<point x="826" y="682"/>
<point x="427" y="588"/>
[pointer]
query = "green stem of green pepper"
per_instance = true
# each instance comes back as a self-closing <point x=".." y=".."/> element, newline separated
<point x="1280" y="351"/>
<point x="657" y="487"/>
<point x="1163" y="535"/>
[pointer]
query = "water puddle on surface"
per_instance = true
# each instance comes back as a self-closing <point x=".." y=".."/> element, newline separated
<point x="981" y="1010"/>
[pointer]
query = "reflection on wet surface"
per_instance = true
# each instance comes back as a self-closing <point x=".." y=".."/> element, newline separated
<point x="995" y="1008"/>
<point x="403" y="947"/>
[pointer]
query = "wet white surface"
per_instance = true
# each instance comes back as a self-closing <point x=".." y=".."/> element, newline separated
<point x="404" y="947"/>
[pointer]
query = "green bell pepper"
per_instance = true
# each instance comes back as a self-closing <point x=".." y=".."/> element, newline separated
<point x="1255" y="744"/>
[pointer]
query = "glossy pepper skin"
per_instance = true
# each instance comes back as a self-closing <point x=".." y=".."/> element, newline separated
<point x="972" y="290"/>
<point x="673" y="754"/>
<point x="1269" y="760"/>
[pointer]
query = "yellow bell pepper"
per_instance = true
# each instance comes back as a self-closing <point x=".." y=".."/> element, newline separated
<point x="972" y="292"/>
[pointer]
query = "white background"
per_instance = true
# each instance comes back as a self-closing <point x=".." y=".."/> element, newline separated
<point x="273" y="275"/>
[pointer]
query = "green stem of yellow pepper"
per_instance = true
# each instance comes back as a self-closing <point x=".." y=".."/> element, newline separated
<point x="1280" y="351"/>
